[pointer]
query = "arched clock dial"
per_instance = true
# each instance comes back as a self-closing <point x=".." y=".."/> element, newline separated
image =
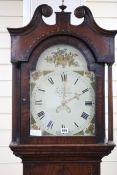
<point x="62" y="99"/>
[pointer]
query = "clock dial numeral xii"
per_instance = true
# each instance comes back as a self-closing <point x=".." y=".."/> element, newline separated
<point x="64" y="77"/>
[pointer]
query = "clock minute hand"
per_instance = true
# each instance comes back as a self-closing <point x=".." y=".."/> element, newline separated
<point x="76" y="96"/>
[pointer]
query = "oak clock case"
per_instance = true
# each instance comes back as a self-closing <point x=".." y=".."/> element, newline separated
<point x="59" y="95"/>
<point x="61" y="88"/>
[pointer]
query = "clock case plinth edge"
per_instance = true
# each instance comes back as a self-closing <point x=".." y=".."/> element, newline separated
<point x="62" y="153"/>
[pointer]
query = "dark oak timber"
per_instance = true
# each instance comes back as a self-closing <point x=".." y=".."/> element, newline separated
<point x="55" y="155"/>
<point x="110" y="104"/>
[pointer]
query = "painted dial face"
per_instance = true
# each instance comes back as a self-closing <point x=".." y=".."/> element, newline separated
<point x="62" y="99"/>
<point x="63" y="103"/>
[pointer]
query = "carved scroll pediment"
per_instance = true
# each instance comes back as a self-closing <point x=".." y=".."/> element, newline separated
<point x="26" y="39"/>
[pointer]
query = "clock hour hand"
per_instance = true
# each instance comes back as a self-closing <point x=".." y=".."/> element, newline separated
<point x="77" y="96"/>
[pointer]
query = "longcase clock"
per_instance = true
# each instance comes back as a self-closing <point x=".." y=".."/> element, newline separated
<point x="58" y="94"/>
